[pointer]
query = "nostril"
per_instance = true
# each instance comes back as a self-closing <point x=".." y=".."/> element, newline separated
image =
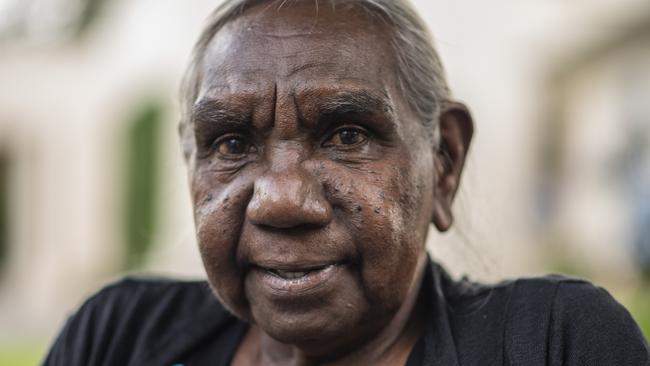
<point x="300" y="217"/>
<point x="288" y="201"/>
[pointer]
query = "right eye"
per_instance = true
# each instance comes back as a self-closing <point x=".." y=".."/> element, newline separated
<point x="232" y="146"/>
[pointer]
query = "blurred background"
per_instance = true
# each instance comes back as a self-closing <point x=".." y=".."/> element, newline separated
<point x="92" y="183"/>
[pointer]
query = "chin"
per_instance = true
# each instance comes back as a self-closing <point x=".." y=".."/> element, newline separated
<point x="326" y="329"/>
<point x="322" y="337"/>
<point x="295" y="331"/>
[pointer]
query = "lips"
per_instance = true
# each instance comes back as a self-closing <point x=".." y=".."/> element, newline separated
<point x="291" y="279"/>
<point x="296" y="274"/>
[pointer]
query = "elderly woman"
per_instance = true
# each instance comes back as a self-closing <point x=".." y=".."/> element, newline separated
<point x="321" y="142"/>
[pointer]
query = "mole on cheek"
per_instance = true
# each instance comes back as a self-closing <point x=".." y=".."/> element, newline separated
<point x="208" y="198"/>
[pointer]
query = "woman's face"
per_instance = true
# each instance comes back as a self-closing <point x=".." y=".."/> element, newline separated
<point x="312" y="183"/>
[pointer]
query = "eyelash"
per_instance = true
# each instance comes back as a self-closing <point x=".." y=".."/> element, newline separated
<point x="365" y="136"/>
<point x="249" y="147"/>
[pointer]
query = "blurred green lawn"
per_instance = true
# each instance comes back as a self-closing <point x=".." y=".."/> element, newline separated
<point x="23" y="353"/>
<point x="639" y="306"/>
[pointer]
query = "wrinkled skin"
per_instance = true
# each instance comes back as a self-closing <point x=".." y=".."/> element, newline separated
<point x="307" y="155"/>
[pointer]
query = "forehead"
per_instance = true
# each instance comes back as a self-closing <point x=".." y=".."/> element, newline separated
<point x="297" y="49"/>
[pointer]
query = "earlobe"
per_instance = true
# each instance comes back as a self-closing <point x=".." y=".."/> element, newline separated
<point x="456" y="130"/>
<point x="442" y="216"/>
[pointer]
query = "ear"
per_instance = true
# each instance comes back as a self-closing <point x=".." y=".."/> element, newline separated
<point x="187" y="140"/>
<point x="456" y="130"/>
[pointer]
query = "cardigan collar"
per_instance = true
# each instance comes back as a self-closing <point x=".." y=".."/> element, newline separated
<point x="439" y="346"/>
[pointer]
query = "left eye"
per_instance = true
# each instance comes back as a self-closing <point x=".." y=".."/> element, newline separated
<point x="232" y="146"/>
<point x="347" y="136"/>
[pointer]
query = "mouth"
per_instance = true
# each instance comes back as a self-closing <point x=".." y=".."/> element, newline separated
<point x="287" y="280"/>
<point x="299" y="273"/>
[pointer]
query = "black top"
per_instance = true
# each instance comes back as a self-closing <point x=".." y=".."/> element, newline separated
<point x="551" y="320"/>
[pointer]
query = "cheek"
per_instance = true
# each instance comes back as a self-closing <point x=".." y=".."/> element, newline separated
<point x="219" y="213"/>
<point x="385" y="210"/>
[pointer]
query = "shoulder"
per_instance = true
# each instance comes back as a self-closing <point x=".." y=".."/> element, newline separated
<point x="573" y="303"/>
<point x="581" y="324"/>
<point x="591" y="327"/>
<point x="128" y="318"/>
<point x="139" y="300"/>
<point x="549" y="320"/>
<point x="139" y="293"/>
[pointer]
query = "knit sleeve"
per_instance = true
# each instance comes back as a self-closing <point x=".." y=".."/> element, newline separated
<point x="589" y="327"/>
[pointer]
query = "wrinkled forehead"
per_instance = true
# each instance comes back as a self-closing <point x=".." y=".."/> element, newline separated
<point x="300" y="46"/>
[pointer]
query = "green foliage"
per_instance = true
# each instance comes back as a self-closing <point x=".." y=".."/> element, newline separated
<point x="142" y="182"/>
<point x="91" y="11"/>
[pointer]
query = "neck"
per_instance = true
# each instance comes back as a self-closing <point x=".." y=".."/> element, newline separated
<point x="391" y="346"/>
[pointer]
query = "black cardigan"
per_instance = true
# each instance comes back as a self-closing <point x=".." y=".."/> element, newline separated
<point x="551" y="320"/>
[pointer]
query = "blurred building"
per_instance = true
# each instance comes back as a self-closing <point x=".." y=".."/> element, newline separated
<point x="91" y="170"/>
<point x="92" y="182"/>
<point x="595" y="155"/>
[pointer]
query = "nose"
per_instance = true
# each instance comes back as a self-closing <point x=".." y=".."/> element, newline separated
<point x="287" y="199"/>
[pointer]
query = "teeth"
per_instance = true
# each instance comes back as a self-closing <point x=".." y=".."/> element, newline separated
<point x="291" y="275"/>
<point x="288" y="275"/>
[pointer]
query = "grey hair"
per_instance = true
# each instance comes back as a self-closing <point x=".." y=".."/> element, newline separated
<point x="421" y="76"/>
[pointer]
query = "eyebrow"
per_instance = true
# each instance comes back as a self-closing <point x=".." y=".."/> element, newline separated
<point x="215" y="112"/>
<point x="361" y="102"/>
